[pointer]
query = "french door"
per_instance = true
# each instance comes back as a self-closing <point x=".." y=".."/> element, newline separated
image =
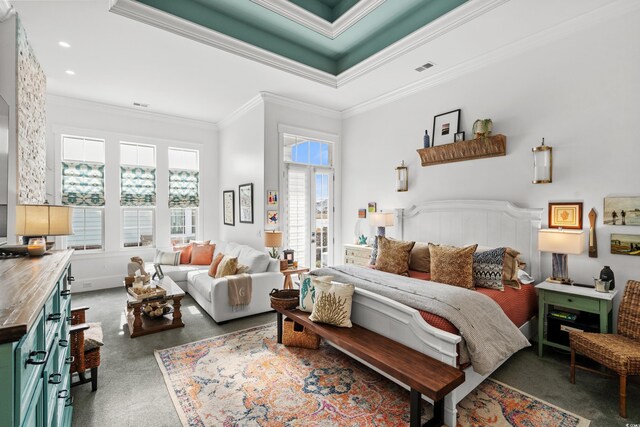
<point x="309" y="216"/>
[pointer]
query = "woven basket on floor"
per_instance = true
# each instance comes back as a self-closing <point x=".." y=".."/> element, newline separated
<point x="284" y="299"/>
<point x="296" y="335"/>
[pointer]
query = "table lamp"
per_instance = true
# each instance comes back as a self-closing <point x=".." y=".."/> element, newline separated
<point x="560" y="243"/>
<point x="40" y="221"/>
<point x="273" y="240"/>
<point x="380" y="220"/>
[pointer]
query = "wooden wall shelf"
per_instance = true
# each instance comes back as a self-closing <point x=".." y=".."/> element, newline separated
<point x="480" y="148"/>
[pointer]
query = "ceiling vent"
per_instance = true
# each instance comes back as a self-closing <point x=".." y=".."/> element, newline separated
<point x="140" y="104"/>
<point x="425" y="66"/>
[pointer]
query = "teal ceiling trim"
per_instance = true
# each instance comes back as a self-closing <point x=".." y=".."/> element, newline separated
<point x="259" y="26"/>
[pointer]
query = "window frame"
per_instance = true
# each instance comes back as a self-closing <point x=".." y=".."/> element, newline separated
<point x="197" y="209"/>
<point x="123" y="209"/>
<point x="196" y="235"/>
<point x="302" y="139"/>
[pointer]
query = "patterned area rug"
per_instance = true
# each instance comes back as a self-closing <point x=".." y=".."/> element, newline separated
<point x="246" y="379"/>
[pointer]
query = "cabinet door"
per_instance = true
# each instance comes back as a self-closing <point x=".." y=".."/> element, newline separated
<point x="34" y="414"/>
<point x="30" y="357"/>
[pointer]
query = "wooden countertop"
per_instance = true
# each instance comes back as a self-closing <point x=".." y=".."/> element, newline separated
<point x="25" y="285"/>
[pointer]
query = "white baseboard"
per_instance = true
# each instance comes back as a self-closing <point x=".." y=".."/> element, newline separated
<point x="96" y="283"/>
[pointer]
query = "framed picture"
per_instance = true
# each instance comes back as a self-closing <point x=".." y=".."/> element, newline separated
<point x="622" y="210"/>
<point x="229" y="207"/>
<point x="445" y="126"/>
<point x="458" y="137"/>
<point x="625" y="244"/>
<point x="272" y="198"/>
<point x="362" y="213"/>
<point x="272" y="217"/>
<point x="372" y="207"/>
<point x="159" y="274"/>
<point x="245" y="201"/>
<point x="565" y="215"/>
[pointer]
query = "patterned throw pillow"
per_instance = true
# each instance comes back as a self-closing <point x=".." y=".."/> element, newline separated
<point x="213" y="269"/>
<point x="420" y="258"/>
<point x="308" y="291"/>
<point x="166" y="258"/>
<point x="511" y="265"/>
<point x="333" y="303"/>
<point x="393" y="256"/>
<point x="227" y="266"/>
<point x="488" y="267"/>
<point x="451" y="265"/>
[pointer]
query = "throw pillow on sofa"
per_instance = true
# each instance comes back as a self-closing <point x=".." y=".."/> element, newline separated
<point x="166" y="258"/>
<point x="333" y="303"/>
<point x="185" y="253"/>
<point x="228" y="266"/>
<point x="215" y="264"/>
<point x="202" y="254"/>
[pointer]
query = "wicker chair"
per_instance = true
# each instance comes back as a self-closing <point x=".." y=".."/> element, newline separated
<point x="83" y="358"/>
<point x="619" y="352"/>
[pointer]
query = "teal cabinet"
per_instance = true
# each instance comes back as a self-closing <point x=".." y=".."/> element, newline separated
<point x="35" y="342"/>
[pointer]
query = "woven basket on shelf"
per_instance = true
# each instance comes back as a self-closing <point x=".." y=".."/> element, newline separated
<point x="284" y="299"/>
<point x="296" y="335"/>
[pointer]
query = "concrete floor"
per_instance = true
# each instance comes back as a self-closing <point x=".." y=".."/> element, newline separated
<point x="131" y="389"/>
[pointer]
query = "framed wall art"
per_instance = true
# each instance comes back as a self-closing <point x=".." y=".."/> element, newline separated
<point x="272" y="198"/>
<point x="245" y="202"/>
<point x="272" y="217"/>
<point x="362" y="213"/>
<point x="565" y="215"/>
<point x="625" y="244"/>
<point x="445" y="126"/>
<point x="372" y="207"/>
<point x="228" y="207"/>
<point x="622" y="210"/>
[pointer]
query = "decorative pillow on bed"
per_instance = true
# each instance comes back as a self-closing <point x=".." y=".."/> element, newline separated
<point x="167" y="258"/>
<point x="420" y="258"/>
<point x="451" y="265"/>
<point x="308" y="290"/>
<point x="393" y="256"/>
<point x="511" y="265"/>
<point x="333" y="303"/>
<point x="488" y="267"/>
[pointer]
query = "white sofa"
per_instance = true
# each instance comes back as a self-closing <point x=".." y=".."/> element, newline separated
<point x="212" y="294"/>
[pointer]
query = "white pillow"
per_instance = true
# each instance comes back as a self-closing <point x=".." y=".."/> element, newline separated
<point x="333" y="303"/>
<point x="167" y="258"/>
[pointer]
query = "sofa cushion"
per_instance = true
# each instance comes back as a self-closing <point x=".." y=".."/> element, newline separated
<point x="201" y="283"/>
<point x="256" y="260"/>
<point x="178" y="273"/>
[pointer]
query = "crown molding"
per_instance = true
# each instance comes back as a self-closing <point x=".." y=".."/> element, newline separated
<point x="562" y="30"/>
<point x="315" y="23"/>
<point x="101" y="107"/>
<point x="182" y="27"/>
<point x="239" y="112"/>
<point x="301" y="105"/>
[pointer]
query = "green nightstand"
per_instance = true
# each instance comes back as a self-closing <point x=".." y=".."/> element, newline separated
<point x="574" y="297"/>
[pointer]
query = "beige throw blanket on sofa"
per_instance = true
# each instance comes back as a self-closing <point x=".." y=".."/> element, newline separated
<point x="240" y="290"/>
<point x="487" y="333"/>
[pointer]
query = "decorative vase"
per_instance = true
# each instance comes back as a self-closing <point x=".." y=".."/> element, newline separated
<point x="482" y="128"/>
<point x="426" y="139"/>
<point x="606" y="274"/>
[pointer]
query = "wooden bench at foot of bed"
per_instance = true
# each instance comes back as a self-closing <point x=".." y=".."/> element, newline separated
<point x="423" y="374"/>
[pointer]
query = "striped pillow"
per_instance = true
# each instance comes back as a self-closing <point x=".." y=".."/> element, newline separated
<point x="166" y="258"/>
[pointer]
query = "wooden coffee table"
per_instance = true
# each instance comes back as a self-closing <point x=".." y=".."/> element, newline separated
<point x="141" y="324"/>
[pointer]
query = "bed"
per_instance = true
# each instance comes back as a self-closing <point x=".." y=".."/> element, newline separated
<point x="458" y="223"/>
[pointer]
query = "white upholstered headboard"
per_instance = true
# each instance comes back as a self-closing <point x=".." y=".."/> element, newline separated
<point x="485" y="222"/>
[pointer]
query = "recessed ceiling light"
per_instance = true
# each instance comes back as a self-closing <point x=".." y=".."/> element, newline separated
<point x="63" y="44"/>
<point x="71" y="72"/>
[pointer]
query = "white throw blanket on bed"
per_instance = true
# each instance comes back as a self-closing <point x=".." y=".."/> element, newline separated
<point x="489" y="335"/>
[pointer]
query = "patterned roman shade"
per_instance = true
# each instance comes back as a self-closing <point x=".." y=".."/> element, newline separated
<point x="137" y="186"/>
<point x="82" y="184"/>
<point x="183" y="188"/>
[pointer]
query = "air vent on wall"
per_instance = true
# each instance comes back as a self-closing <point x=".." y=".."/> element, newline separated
<point x="140" y="104"/>
<point x="425" y="66"/>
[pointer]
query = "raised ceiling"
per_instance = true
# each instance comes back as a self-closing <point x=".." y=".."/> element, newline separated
<point x="331" y="36"/>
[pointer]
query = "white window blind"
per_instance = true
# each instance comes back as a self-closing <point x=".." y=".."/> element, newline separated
<point x="298" y="217"/>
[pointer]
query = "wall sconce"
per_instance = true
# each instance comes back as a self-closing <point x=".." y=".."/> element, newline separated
<point x="542" y="164"/>
<point x="402" y="178"/>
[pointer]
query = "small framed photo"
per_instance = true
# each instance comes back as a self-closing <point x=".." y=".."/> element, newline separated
<point x="625" y="244"/>
<point x="362" y="213"/>
<point x="272" y="198"/>
<point x="565" y="215"/>
<point x="372" y="207"/>
<point x="159" y="274"/>
<point x="622" y="210"/>
<point x="229" y="207"/>
<point x="272" y="217"/>
<point x="445" y="126"/>
<point x="245" y="200"/>
<point x="458" y="137"/>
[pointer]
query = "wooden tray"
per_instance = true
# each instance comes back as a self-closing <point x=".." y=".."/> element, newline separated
<point x="159" y="293"/>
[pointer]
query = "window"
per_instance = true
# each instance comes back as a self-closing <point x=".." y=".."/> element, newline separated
<point x="137" y="193"/>
<point x="83" y="188"/>
<point x="307" y="151"/>
<point x="184" y="196"/>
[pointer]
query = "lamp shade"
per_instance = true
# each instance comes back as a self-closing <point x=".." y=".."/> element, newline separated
<point x="561" y="241"/>
<point x="273" y="239"/>
<point x="43" y="220"/>
<point x="381" y="219"/>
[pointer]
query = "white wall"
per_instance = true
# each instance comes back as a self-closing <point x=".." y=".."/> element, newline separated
<point x="580" y="93"/>
<point x="241" y="161"/>
<point x="115" y="124"/>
